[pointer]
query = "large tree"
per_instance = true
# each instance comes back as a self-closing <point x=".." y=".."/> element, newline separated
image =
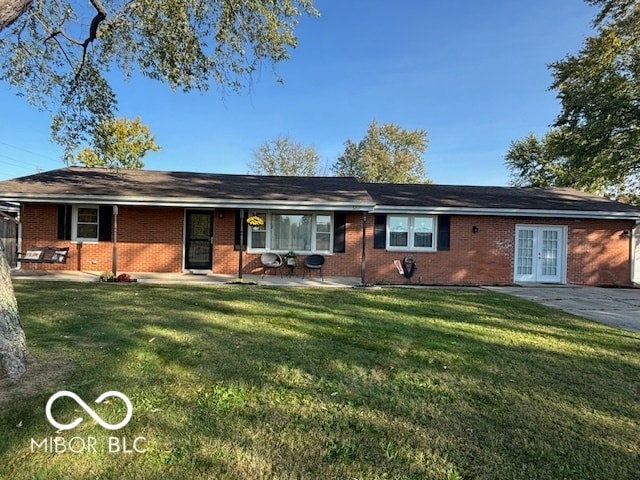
<point x="387" y="153"/>
<point x="58" y="55"/>
<point x="283" y="156"/>
<point x="595" y="141"/>
<point x="118" y="143"/>
<point x="534" y="163"/>
<point x="13" y="349"/>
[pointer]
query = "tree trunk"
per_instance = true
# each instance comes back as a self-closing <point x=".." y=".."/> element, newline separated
<point x="13" y="347"/>
<point x="11" y="10"/>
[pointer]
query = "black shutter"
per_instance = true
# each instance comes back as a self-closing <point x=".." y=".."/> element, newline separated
<point x="240" y="223"/>
<point x="64" y="222"/>
<point x="105" y="214"/>
<point x="444" y="232"/>
<point x="379" y="231"/>
<point x="339" y="231"/>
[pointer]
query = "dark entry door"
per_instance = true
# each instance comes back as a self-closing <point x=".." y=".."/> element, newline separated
<point x="199" y="240"/>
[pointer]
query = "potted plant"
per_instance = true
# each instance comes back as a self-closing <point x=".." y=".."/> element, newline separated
<point x="255" y="221"/>
<point x="291" y="258"/>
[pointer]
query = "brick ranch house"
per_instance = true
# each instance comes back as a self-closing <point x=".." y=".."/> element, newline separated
<point x="154" y="221"/>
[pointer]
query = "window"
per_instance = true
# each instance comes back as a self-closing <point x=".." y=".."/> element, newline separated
<point x="300" y="232"/>
<point x="85" y="224"/>
<point x="259" y="234"/>
<point x="323" y="233"/>
<point x="410" y="232"/>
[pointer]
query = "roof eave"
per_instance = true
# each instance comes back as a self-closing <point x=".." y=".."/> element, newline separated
<point x="190" y="202"/>
<point x="508" y="212"/>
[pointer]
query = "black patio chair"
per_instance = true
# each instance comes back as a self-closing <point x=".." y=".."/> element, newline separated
<point x="270" y="260"/>
<point x="313" y="262"/>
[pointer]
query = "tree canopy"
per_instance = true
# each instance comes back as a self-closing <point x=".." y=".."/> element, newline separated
<point x="58" y="53"/>
<point x="283" y="156"/>
<point x="387" y="153"/>
<point x="118" y="143"/>
<point x="594" y="143"/>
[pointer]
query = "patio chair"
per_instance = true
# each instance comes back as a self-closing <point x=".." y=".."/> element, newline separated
<point x="270" y="260"/>
<point x="313" y="262"/>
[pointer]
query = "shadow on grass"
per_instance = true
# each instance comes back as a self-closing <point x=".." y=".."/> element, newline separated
<point x="301" y="383"/>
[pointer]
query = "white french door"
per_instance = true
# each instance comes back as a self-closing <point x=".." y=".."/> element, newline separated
<point x="540" y="254"/>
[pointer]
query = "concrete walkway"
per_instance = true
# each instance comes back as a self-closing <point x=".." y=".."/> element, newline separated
<point x="188" y="278"/>
<point x="619" y="307"/>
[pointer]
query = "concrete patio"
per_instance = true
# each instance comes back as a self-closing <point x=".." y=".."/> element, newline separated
<point x="189" y="278"/>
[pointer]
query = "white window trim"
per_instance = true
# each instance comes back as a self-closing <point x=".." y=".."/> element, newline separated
<point x="314" y="231"/>
<point x="74" y="225"/>
<point x="410" y="247"/>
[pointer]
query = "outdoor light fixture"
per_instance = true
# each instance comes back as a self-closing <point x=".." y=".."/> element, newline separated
<point x="475" y="229"/>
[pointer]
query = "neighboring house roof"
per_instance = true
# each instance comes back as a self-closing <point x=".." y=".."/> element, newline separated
<point x="503" y="201"/>
<point x="158" y="188"/>
<point x="9" y="207"/>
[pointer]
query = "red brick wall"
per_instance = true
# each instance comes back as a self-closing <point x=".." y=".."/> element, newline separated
<point x="151" y="239"/>
<point x="597" y="254"/>
<point x="225" y="258"/>
<point x="40" y="229"/>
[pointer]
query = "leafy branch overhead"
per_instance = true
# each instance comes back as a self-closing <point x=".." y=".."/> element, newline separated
<point x="59" y="54"/>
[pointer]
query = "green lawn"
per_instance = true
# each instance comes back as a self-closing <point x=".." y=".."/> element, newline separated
<point x="241" y="382"/>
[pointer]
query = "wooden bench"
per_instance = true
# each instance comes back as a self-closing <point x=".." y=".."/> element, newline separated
<point x="44" y="255"/>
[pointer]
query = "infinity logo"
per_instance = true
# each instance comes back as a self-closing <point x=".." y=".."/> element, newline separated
<point x="89" y="410"/>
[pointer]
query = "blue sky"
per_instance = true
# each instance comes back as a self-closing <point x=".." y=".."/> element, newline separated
<point x="472" y="73"/>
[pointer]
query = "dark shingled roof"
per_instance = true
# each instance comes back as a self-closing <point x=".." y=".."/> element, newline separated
<point x="498" y="198"/>
<point x="179" y="186"/>
<point x="149" y="187"/>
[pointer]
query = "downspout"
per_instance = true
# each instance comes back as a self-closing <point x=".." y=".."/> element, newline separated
<point x="114" y="256"/>
<point x="634" y="253"/>
<point x="363" y="261"/>
<point x="241" y="243"/>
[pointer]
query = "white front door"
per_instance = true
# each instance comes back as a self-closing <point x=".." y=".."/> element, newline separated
<point x="540" y="254"/>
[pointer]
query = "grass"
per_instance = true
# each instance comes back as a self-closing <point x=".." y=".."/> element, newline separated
<point x="229" y="382"/>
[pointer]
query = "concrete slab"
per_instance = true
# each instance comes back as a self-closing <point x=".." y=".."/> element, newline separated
<point x="619" y="307"/>
<point x="188" y="278"/>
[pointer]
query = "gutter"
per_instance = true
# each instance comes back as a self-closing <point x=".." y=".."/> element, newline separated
<point x="192" y="202"/>
<point x="510" y="212"/>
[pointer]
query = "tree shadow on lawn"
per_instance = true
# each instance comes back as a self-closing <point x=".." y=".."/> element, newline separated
<point x="309" y="382"/>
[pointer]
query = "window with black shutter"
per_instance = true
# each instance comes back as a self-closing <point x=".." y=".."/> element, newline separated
<point x="105" y="217"/>
<point x="379" y="230"/>
<point x="444" y="232"/>
<point x="64" y="222"/>
<point x="339" y="232"/>
<point x="240" y="224"/>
